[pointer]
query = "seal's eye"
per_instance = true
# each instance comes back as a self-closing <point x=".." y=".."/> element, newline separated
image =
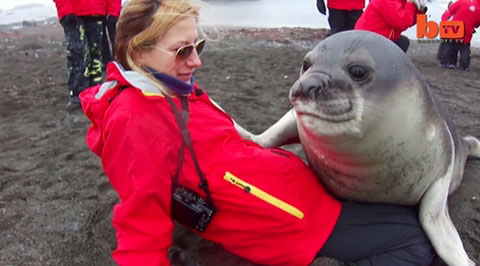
<point x="358" y="72"/>
<point x="306" y="65"/>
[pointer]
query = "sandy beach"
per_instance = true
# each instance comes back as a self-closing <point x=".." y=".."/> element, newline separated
<point x="55" y="201"/>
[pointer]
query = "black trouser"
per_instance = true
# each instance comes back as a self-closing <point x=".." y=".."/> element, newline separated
<point x="403" y="42"/>
<point x="442" y="50"/>
<point x="84" y="57"/>
<point x="368" y="234"/>
<point x="451" y="54"/>
<point x="109" y="30"/>
<point x="341" y="20"/>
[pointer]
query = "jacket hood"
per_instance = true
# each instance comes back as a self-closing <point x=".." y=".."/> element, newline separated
<point x="96" y="100"/>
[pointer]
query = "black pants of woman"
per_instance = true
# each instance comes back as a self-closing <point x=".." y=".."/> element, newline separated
<point x="369" y="234"/>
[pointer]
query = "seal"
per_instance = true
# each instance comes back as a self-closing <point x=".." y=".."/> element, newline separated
<point x="373" y="131"/>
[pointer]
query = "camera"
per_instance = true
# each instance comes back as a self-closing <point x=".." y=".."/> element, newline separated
<point x="191" y="209"/>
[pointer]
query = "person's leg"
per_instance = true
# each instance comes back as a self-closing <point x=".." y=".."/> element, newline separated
<point x="441" y="50"/>
<point x="403" y="42"/>
<point x="94" y="33"/>
<point x="109" y="30"/>
<point x="352" y="17"/>
<point x="369" y="234"/>
<point x="336" y="19"/>
<point x="447" y="53"/>
<point x="464" y="49"/>
<point x="112" y="26"/>
<point x="106" y="49"/>
<point x="453" y="54"/>
<point x="76" y="50"/>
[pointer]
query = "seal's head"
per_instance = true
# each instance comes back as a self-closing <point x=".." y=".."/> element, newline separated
<point x="343" y="79"/>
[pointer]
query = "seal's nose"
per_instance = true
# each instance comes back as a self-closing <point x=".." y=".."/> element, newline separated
<point x="310" y="86"/>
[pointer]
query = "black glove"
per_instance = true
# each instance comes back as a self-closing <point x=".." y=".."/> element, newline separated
<point x="70" y="18"/>
<point x="420" y="4"/>
<point x="321" y="7"/>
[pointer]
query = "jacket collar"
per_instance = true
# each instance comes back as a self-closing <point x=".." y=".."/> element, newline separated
<point x="117" y="74"/>
<point x="178" y="86"/>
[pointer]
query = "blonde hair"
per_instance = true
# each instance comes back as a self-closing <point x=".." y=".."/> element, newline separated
<point x="142" y="23"/>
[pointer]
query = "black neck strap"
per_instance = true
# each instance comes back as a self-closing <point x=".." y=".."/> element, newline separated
<point x="182" y="121"/>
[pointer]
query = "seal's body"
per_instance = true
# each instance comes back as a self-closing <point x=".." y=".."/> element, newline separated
<point x="372" y="131"/>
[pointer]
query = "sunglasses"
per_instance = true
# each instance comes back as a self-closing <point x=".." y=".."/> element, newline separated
<point x="185" y="51"/>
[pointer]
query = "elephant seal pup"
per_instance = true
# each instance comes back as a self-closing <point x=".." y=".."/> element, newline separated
<point x="372" y="131"/>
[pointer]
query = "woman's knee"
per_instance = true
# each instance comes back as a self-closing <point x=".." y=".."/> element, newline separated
<point x="421" y="254"/>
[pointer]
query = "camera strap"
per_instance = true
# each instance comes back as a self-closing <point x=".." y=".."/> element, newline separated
<point x="182" y="121"/>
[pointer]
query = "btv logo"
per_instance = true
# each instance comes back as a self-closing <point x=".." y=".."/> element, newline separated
<point x="447" y="29"/>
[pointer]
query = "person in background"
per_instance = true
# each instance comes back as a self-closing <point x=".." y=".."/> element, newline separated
<point x="109" y="27"/>
<point x="467" y="11"/>
<point x="390" y="18"/>
<point x="172" y="154"/>
<point x="342" y="14"/>
<point x="82" y="22"/>
<point x="442" y="48"/>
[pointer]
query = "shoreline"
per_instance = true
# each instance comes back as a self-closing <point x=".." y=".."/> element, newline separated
<point x="50" y="27"/>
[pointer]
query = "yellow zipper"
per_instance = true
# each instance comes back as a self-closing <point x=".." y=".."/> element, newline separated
<point x="263" y="195"/>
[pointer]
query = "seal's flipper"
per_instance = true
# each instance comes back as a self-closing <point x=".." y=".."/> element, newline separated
<point x="283" y="132"/>
<point x="438" y="226"/>
<point x="473" y="146"/>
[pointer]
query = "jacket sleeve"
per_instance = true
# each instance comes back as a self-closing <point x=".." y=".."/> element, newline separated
<point x="397" y="16"/>
<point x="114" y="7"/>
<point x="446" y="15"/>
<point x="478" y="20"/>
<point x="133" y="159"/>
<point x="64" y="7"/>
<point x="451" y="10"/>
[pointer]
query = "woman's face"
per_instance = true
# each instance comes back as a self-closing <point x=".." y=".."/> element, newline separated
<point x="162" y="57"/>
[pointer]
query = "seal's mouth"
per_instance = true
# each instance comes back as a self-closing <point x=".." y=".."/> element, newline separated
<point x="330" y="104"/>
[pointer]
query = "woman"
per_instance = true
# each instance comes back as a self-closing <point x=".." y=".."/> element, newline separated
<point x="172" y="154"/>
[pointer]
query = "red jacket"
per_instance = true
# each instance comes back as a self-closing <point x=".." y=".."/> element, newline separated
<point x="346" y="4"/>
<point x="114" y="7"/>
<point x="467" y="11"/>
<point x="388" y="17"/>
<point x="87" y="7"/>
<point x="138" y="140"/>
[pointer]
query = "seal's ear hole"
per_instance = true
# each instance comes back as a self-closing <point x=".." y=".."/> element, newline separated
<point x="358" y="73"/>
<point x="306" y="65"/>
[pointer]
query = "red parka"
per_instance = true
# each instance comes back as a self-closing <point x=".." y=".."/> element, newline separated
<point x="346" y="4"/>
<point x="135" y="134"/>
<point x="114" y="7"/>
<point x="87" y="7"/>
<point x="467" y="11"/>
<point x="388" y="17"/>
